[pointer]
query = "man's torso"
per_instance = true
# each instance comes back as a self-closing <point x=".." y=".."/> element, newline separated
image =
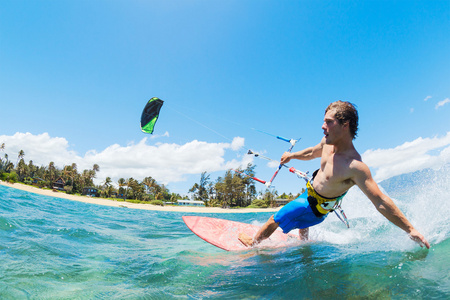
<point x="336" y="171"/>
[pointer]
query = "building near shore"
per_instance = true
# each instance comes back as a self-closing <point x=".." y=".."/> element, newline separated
<point x="90" y="192"/>
<point x="282" y="201"/>
<point x="190" y="203"/>
<point x="59" y="184"/>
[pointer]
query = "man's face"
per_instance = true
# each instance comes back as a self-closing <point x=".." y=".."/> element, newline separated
<point x="331" y="127"/>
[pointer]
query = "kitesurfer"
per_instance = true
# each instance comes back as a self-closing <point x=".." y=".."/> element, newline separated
<point x="341" y="168"/>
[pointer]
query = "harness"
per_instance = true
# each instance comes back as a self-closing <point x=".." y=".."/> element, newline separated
<point x="321" y="205"/>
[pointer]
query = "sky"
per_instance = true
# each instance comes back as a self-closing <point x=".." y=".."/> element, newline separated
<point x="75" y="76"/>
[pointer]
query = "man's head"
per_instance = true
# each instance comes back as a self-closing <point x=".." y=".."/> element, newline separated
<point x="345" y="112"/>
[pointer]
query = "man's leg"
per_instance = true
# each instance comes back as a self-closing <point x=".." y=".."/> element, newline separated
<point x="304" y="234"/>
<point x="262" y="234"/>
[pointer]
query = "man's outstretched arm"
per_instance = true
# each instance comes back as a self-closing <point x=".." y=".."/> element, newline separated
<point x="305" y="154"/>
<point x="384" y="204"/>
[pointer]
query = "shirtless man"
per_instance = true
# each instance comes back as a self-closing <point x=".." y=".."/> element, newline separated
<point x="341" y="168"/>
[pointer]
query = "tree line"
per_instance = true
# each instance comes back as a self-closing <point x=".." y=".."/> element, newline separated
<point x="233" y="189"/>
<point x="130" y="189"/>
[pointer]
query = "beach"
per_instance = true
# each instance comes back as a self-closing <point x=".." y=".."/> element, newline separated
<point x="123" y="204"/>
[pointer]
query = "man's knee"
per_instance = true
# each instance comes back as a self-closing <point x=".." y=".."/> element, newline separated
<point x="272" y="222"/>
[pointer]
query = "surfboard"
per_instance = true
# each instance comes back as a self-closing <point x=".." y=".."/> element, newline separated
<point x="224" y="233"/>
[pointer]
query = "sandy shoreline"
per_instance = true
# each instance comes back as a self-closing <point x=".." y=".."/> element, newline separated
<point x="106" y="202"/>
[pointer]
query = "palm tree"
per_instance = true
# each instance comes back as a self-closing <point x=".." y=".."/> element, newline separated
<point x="137" y="188"/>
<point x="107" y="182"/>
<point x="51" y="171"/>
<point x="151" y="184"/>
<point x="128" y="184"/>
<point x="69" y="172"/>
<point x="157" y="189"/>
<point x="21" y="169"/>
<point x="95" y="169"/>
<point x="7" y="165"/>
<point x="121" y="182"/>
<point x="32" y="169"/>
<point x="2" y="148"/>
<point x="20" y="156"/>
<point x="86" y="178"/>
<point x="108" y="186"/>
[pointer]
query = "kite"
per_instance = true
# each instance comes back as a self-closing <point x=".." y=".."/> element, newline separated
<point x="150" y="114"/>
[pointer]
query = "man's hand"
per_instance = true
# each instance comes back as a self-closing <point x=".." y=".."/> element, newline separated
<point x="285" y="158"/>
<point x="419" y="238"/>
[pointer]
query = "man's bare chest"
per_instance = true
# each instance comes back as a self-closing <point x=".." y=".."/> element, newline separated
<point x="335" y="171"/>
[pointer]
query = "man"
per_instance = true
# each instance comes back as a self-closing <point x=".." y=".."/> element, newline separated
<point x="341" y="168"/>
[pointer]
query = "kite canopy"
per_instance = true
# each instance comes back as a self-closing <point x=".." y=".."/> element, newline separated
<point x="150" y="114"/>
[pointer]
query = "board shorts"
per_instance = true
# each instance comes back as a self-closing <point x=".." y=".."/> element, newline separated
<point x="297" y="214"/>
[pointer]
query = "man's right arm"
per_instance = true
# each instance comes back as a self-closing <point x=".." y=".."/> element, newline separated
<point x="305" y="154"/>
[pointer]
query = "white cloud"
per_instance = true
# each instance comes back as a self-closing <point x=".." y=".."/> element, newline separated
<point x="41" y="148"/>
<point x="237" y="143"/>
<point x="155" y="136"/>
<point x="442" y="103"/>
<point x="427" y="98"/>
<point x="164" y="162"/>
<point x="273" y="164"/>
<point x="411" y="156"/>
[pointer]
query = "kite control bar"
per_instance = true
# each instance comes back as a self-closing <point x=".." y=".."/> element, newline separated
<point x="292" y="142"/>
<point x="293" y="170"/>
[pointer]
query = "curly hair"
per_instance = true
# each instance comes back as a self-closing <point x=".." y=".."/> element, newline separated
<point x="345" y="112"/>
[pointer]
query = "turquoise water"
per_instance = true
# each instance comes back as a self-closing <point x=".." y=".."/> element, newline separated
<point x="53" y="248"/>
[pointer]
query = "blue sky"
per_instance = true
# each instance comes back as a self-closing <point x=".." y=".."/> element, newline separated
<point x="75" y="76"/>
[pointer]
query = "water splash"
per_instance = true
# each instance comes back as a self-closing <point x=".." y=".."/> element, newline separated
<point x="424" y="201"/>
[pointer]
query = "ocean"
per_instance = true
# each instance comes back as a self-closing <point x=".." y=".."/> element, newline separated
<point x="53" y="248"/>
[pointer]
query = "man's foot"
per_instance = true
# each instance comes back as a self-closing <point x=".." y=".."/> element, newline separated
<point x="245" y="239"/>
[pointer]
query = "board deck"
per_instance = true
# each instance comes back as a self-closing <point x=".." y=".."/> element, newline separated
<point x="224" y="233"/>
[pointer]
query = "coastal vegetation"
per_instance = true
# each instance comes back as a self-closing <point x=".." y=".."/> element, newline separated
<point x="232" y="190"/>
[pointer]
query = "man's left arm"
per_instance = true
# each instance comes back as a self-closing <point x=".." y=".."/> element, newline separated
<point x="384" y="204"/>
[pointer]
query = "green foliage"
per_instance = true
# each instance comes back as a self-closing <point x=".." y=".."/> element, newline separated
<point x="201" y="190"/>
<point x="134" y="201"/>
<point x="43" y="184"/>
<point x="9" y="177"/>
<point x="258" y="203"/>
<point x="157" y="202"/>
<point x="68" y="189"/>
<point x="28" y="180"/>
<point x="269" y="197"/>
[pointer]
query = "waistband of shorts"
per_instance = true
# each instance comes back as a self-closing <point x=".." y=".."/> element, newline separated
<point x="320" y="205"/>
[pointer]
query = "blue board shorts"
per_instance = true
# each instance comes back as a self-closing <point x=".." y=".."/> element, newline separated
<point x="297" y="214"/>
